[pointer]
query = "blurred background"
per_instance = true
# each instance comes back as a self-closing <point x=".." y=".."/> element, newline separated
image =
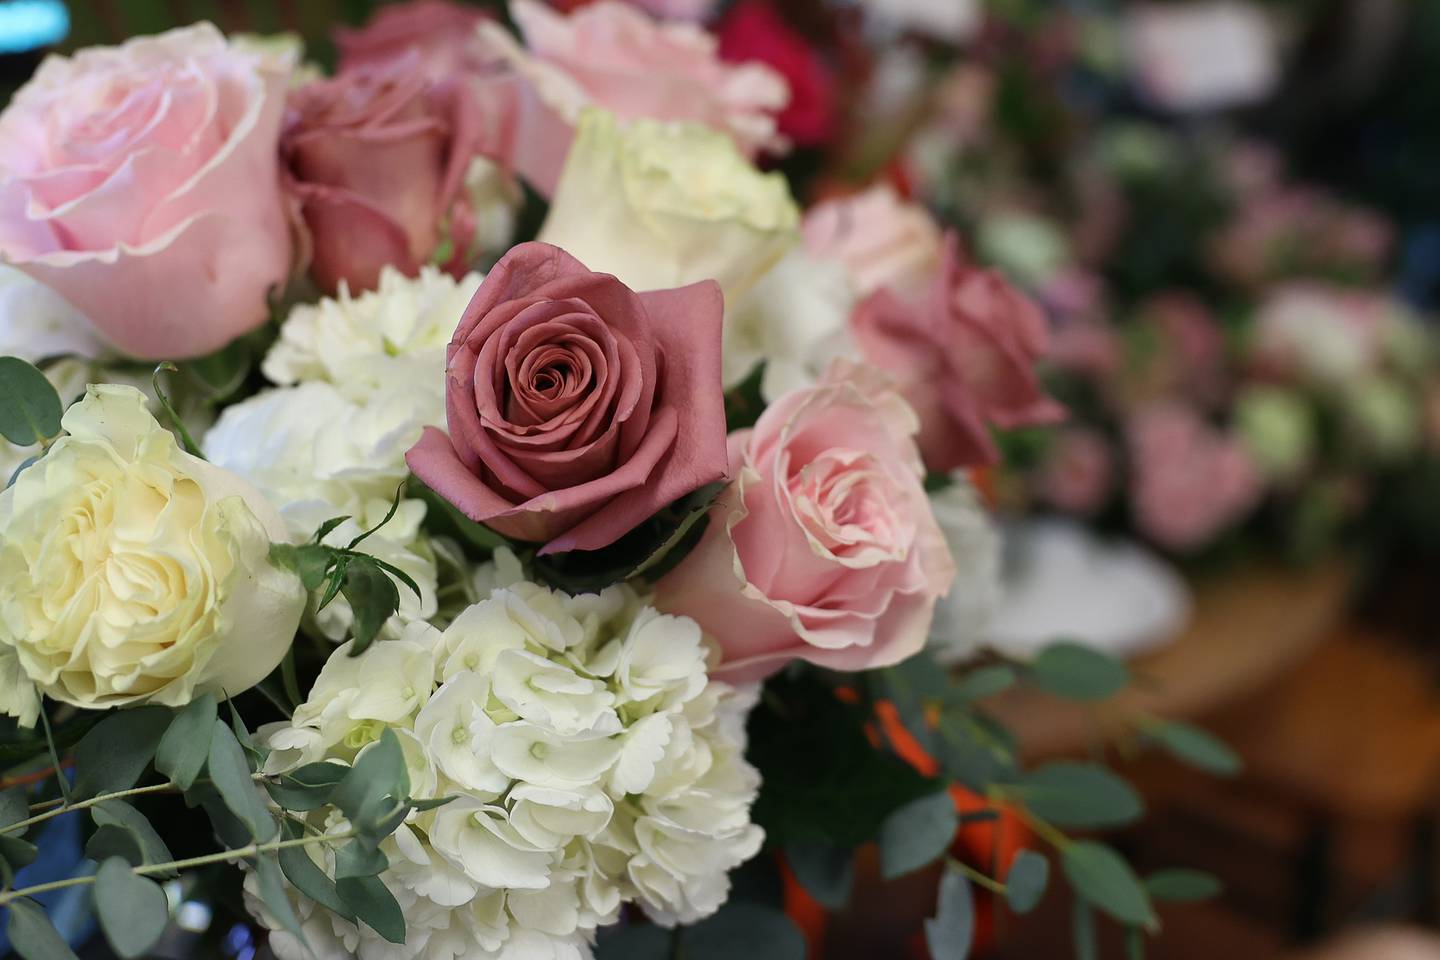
<point x="1230" y="210"/>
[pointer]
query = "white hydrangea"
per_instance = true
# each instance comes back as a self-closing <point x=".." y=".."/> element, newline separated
<point x="963" y="616"/>
<point x="594" y="762"/>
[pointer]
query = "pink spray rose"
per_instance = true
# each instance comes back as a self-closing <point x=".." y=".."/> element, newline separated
<point x="1190" y="481"/>
<point x="576" y="407"/>
<point x="444" y="37"/>
<point x="375" y="160"/>
<point x="140" y="183"/>
<point x="1079" y="471"/>
<point x="963" y="351"/>
<point x="824" y="547"/>
<point x="881" y="240"/>
<point x="616" y="56"/>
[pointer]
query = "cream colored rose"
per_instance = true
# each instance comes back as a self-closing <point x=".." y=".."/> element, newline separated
<point x="662" y="205"/>
<point x="131" y="571"/>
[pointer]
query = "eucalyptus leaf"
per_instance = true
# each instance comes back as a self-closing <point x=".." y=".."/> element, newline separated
<point x="982" y="683"/>
<point x="951" y="933"/>
<point x="230" y="772"/>
<point x="32" y="935"/>
<point x="133" y="910"/>
<point x="14" y="806"/>
<point x="1196" y="747"/>
<point x="116" y="751"/>
<point x="1182" y="886"/>
<point x="185" y="746"/>
<point x="747" y="930"/>
<point x="111" y="841"/>
<point x="307" y="877"/>
<point x="1078" y="672"/>
<point x="1026" y="882"/>
<point x="1081" y="795"/>
<point x="30" y="408"/>
<point x="917" y="834"/>
<point x="307" y="788"/>
<point x="1082" y="931"/>
<point x="374" y="785"/>
<point x="827" y="872"/>
<point x="276" y="900"/>
<point x="371" y="903"/>
<point x="17" y="852"/>
<point x="118" y="813"/>
<point x="1103" y="878"/>
<point x="355" y="859"/>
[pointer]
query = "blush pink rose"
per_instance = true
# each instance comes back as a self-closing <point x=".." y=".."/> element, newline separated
<point x="1079" y="471"/>
<point x="880" y="239"/>
<point x="444" y="38"/>
<point x="140" y="183"/>
<point x="375" y="160"/>
<point x="1189" y="482"/>
<point x="616" y="56"/>
<point x="963" y="351"/>
<point x="576" y="407"/>
<point x="824" y="547"/>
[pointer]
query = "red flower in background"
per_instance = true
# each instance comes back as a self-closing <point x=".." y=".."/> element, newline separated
<point x="753" y="30"/>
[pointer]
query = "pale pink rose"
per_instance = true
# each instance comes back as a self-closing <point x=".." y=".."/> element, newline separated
<point x="963" y="351"/>
<point x="375" y="160"/>
<point x="615" y="56"/>
<point x="576" y="408"/>
<point x="881" y="240"/>
<point x="824" y="546"/>
<point x="140" y="183"/>
<point x="1079" y="471"/>
<point x="1319" y="333"/>
<point x="444" y="37"/>
<point x="1190" y="482"/>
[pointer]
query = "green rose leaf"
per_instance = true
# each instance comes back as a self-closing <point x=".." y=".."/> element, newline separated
<point x="1194" y="746"/>
<point x="230" y="772"/>
<point x="369" y="901"/>
<point x="185" y="746"/>
<point x="1080" y="795"/>
<point x="1105" y="880"/>
<point x="951" y="933"/>
<point x="827" y="872"/>
<point x="133" y="911"/>
<point x="748" y="930"/>
<point x="30" y="409"/>
<point x="917" y="834"/>
<point x="1182" y="886"/>
<point x="116" y="751"/>
<point x="1078" y="672"/>
<point x="32" y="935"/>
<point x="373" y="598"/>
<point x="119" y="814"/>
<point x="1025" y="885"/>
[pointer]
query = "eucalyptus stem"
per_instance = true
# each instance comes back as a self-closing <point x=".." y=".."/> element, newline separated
<point x="54" y="754"/>
<point x="976" y="877"/>
<point x="49" y="809"/>
<point x="173" y="866"/>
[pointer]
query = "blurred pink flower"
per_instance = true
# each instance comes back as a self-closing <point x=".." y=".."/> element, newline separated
<point x="443" y="36"/>
<point x="1079" y="471"/>
<point x="1090" y="348"/>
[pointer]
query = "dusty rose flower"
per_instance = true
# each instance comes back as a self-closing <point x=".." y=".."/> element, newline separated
<point x="444" y="37"/>
<point x="576" y="407"/>
<point x="824" y="547"/>
<point x="882" y="240"/>
<point x="1079" y="471"/>
<point x="375" y="159"/>
<point x="140" y="183"/>
<point x="963" y="351"/>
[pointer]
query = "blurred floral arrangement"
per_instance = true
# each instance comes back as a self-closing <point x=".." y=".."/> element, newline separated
<point x="510" y="429"/>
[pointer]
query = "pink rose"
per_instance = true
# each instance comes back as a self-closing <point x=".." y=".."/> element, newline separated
<point x="576" y="407"/>
<point x="754" y="31"/>
<point x="615" y="56"/>
<point x="1079" y="471"/>
<point x="444" y="37"/>
<point x="140" y="183"/>
<point x="824" y="547"/>
<point x="1189" y="481"/>
<point x="963" y="351"/>
<point x="882" y="240"/>
<point x="376" y="160"/>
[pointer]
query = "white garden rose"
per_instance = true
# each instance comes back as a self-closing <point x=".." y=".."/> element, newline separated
<point x="963" y="616"/>
<point x="662" y="205"/>
<point x="133" y="572"/>
<point x="593" y="761"/>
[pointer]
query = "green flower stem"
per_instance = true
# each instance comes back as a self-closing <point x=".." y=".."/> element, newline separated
<point x="173" y="866"/>
<point x="49" y="809"/>
<point x="54" y="754"/>
<point x="976" y="877"/>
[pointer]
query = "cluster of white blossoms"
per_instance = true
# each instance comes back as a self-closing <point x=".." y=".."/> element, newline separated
<point x="593" y="761"/>
<point x="359" y="378"/>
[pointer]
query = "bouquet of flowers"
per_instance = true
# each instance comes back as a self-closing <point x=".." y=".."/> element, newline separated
<point x="510" y="429"/>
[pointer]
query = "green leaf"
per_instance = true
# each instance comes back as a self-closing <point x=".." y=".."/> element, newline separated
<point x="356" y="859"/>
<point x="1025" y="885"/>
<point x="389" y="515"/>
<point x="309" y="787"/>
<point x="325" y="529"/>
<point x="431" y="803"/>
<point x="32" y="935"/>
<point x="1082" y="931"/>
<point x="1080" y="795"/>
<point x="16" y="852"/>
<point x="1103" y="878"/>
<point x="230" y="772"/>
<point x="982" y="683"/>
<point x="1182" y="886"/>
<point x="176" y="423"/>
<point x="442" y="517"/>
<point x="370" y="902"/>
<point x="222" y="373"/>
<point x="307" y="877"/>
<point x="1134" y="944"/>
<point x="14" y="806"/>
<point x="119" y="814"/>
<point x="747" y="930"/>
<point x="826" y="872"/>
<point x="111" y="841"/>
<point x="133" y="911"/>
<point x="951" y="933"/>
<point x="273" y="895"/>
<point x="663" y="551"/>
<point x="970" y="753"/>
<point x="1194" y="746"/>
<point x="373" y="598"/>
<point x="186" y="744"/>
<point x="30" y="408"/>
<point x="1078" y="672"/>
<point x="310" y="562"/>
<point x="917" y="834"/>
<point x="373" y="787"/>
<point x="113" y="755"/>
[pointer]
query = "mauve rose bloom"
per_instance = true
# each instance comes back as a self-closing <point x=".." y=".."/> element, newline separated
<point x="576" y="407"/>
<point x="1189" y="481"/>
<point x="963" y="352"/>
<point x="824" y="547"/>
<point x="1079" y="471"/>
<point x="615" y="56"/>
<point x="443" y="36"/>
<point x="140" y="183"/>
<point x="375" y="160"/>
<point x="754" y="31"/>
